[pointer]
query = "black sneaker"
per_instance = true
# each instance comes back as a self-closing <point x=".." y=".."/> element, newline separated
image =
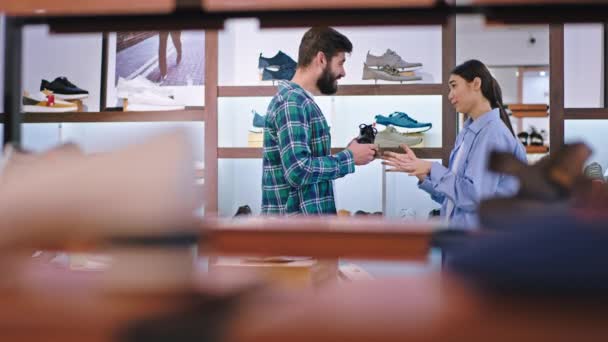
<point x="536" y="139"/>
<point x="435" y="213"/>
<point x="244" y="210"/>
<point x="367" y="134"/>
<point x="523" y="138"/>
<point x="64" y="89"/>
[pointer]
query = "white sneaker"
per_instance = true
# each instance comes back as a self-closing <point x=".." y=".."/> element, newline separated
<point x="149" y="101"/>
<point x="140" y="84"/>
<point x="408" y="214"/>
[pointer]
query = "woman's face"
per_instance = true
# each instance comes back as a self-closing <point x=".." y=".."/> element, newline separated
<point x="462" y="94"/>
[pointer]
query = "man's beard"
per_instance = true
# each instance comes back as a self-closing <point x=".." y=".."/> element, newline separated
<point x="327" y="82"/>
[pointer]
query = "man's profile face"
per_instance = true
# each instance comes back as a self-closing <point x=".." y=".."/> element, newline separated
<point x="333" y="71"/>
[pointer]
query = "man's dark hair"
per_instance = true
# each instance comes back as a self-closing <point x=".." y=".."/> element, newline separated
<point x="324" y="39"/>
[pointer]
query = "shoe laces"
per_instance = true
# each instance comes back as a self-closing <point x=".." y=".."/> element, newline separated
<point x="403" y="115"/>
<point x="390" y="70"/>
<point x="67" y="82"/>
<point x="393" y="53"/>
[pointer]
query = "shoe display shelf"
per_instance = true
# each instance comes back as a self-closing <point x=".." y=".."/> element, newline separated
<point x="63" y="16"/>
<point x="364" y="89"/>
<point x="522" y="111"/>
<point x="537" y="149"/>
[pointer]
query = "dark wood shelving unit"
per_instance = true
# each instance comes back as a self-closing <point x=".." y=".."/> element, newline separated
<point x="343" y="90"/>
<point x="114" y="116"/>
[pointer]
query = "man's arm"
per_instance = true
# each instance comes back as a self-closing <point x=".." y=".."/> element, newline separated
<point x="300" y="167"/>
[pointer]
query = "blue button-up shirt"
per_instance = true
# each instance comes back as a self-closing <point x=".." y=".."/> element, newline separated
<point x="471" y="181"/>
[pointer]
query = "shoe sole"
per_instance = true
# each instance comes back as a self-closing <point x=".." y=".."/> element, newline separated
<point x="406" y="130"/>
<point x="149" y="108"/>
<point x="406" y="68"/>
<point x="40" y="109"/>
<point x="69" y="96"/>
<point x="373" y="75"/>
<point x="256" y="130"/>
<point x="386" y="143"/>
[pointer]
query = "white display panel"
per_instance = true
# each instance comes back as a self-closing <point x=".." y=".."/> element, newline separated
<point x="402" y="193"/>
<point x="239" y="183"/>
<point x="583" y="65"/>
<point x="242" y="41"/>
<point x="343" y="113"/>
<point x="361" y="190"/>
<point x="100" y="137"/>
<point x="591" y="132"/>
<point x="507" y="79"/>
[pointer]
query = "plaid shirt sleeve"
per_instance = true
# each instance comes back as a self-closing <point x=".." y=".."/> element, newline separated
<point x="299" y="165"/>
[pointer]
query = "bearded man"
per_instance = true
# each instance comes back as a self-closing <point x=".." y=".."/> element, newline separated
<point x="298" y="167"/>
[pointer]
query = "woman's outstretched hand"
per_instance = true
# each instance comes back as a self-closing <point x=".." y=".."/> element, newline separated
<point x="406" y="162"/>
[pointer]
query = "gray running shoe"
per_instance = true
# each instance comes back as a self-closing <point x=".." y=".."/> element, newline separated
<point x="391" y="138"/>
<point x="390" y="58"/>
<point x="377" y="74"/>
<point x="594" y="171"/>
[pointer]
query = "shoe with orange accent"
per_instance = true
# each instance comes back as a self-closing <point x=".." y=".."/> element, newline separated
<point x="46" y="103"/>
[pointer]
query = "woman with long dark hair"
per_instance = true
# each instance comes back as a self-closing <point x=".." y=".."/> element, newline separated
<point x="460" y="187"/>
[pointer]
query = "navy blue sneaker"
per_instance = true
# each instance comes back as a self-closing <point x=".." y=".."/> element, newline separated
<point x="259" y="122"/>
<point x="403" y="123"/>
<point x="63" y="89"/>
<point x="281" y="74"/>
<point x="280" y="60"/>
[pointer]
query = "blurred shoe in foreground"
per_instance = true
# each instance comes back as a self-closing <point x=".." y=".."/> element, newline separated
<point x="143" y="189"/>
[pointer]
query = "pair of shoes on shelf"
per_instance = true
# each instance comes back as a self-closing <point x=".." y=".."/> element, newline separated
<point x="142" y="94"/>
<point x="389" y="67"/>
<point x="392" y="59"/>
<point x="54" y="97"/>
<point x="533" y="137"/>
<point x="279" y="67"/>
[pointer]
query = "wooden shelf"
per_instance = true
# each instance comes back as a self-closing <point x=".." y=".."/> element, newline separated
<point x="343" y="90"/>
<point x="274" y="5"/>
<point x="537" y="149"/>
<point x="253" y="153"/>
<point x="114" y="116"/>
<point x="367" y="237"/>
<point x="83" y="7"/>
<point x="530" y="114"/>
<point x="586" y="113"/>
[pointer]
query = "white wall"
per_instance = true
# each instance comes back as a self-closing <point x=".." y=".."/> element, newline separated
<point x="591" y="132"/>
<point x="500" y="45"/>
<point x="76" y="56"/>
<point x="583" y="60"/>
<point x="243" y="41"/>
<point x="507" y="78"/>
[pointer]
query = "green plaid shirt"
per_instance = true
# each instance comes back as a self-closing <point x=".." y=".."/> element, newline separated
<point x="298" y="166"/>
